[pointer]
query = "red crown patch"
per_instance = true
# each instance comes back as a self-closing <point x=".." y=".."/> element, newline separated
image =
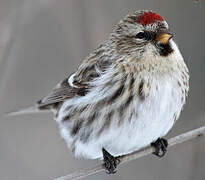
<point x="149" y="18"/>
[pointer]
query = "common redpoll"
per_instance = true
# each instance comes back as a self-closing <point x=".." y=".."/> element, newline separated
<point x="125" y="95"/>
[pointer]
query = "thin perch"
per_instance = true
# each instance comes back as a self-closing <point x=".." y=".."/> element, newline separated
<point x="135" y="155"/>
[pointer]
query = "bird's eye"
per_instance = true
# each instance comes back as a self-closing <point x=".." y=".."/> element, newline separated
<point x="141" y="35"/>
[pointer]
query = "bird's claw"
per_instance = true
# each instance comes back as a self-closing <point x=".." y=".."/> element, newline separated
<point x="110" y="162"/>
<point x="160" y="146"/>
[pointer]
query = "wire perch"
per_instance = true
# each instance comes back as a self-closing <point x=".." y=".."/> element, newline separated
<point x="135" y="155"/>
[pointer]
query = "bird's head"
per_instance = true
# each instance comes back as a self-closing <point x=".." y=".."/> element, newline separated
<point x="143" y="33"/>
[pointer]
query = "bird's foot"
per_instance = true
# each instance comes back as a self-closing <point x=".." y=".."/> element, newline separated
<point x="110" y="162"/>
<point x="160" y="146"/>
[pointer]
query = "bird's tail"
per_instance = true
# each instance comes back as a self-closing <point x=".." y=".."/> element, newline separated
<point x="28" y="110"/>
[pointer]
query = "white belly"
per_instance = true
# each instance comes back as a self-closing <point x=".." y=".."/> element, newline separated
<point x="153" y="118"/>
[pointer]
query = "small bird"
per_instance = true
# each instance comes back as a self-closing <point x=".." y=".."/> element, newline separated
<point x="125" y="95"/>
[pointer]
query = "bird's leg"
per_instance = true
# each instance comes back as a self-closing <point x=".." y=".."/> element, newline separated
<point x="110" y="162"/>
<point x="160" y="146"/>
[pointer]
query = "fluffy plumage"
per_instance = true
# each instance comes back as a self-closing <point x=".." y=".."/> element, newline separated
<point x="126" y="94"/>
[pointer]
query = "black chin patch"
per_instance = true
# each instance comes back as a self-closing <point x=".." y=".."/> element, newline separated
<point x="165" y="49"/>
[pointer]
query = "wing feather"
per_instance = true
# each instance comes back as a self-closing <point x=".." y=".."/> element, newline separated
<point x="60" y="93"/>
<point x="78" y="83"/>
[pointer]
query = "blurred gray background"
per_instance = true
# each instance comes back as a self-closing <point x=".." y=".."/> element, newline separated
<point x="42" y="41"/>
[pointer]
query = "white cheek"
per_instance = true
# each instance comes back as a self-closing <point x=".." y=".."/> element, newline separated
<point x="150" y="49"/>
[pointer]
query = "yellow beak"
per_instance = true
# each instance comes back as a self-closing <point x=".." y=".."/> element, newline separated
<point x="163" y="38"/>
